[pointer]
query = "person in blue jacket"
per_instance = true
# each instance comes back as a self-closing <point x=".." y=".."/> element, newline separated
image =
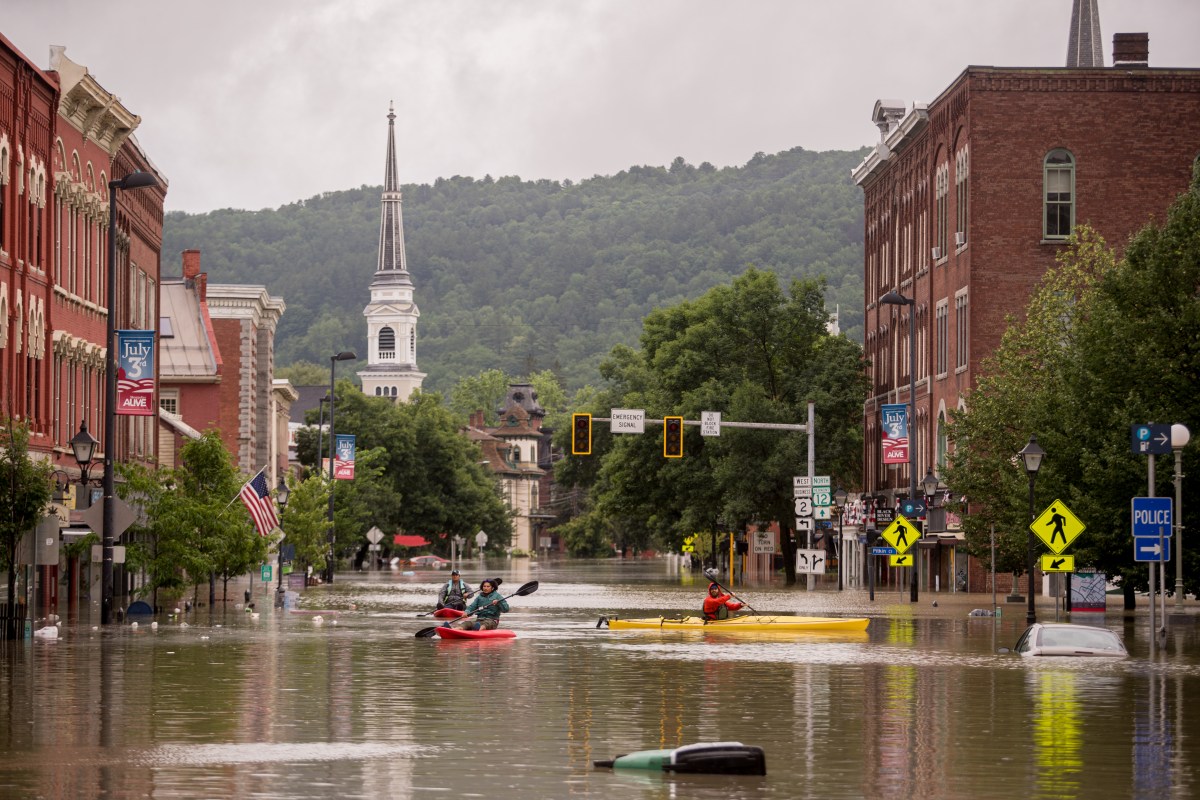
<point x="489" y="603"/>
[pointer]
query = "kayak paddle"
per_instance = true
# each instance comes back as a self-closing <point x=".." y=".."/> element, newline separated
<point x="527" y="589"/>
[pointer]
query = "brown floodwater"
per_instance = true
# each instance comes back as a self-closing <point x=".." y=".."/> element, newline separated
<point x="355" y="706"/>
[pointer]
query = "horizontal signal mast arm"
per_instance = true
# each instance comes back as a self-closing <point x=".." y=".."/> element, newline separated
<point x="773" y="426"/>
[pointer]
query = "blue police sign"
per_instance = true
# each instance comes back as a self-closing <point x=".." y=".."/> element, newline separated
<point x="1151" y="515"/>
<point x="1150" y="439"/>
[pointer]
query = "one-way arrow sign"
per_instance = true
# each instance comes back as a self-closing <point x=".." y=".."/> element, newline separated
<point x="1146" y="548"/>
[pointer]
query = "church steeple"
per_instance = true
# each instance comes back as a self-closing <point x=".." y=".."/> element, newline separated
<point x="1084" y="45"/>
<point x="392" y="313"/>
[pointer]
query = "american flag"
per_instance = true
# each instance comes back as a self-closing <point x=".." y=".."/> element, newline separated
<point x="257" y="498"/>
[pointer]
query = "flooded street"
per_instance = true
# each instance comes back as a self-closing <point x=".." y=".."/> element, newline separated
<point x="355" y="706"/>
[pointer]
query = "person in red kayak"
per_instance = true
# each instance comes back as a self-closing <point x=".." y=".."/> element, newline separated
<point x="454" y="594"/>
<point x="718" y="604"/>
<point x="489" y="603"/>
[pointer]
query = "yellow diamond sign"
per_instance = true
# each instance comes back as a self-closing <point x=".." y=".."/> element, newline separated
<point x="901" y="535"/>
<point x="1057" y="526"/>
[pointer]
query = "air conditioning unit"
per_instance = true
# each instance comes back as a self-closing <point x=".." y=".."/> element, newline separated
<point x="936" y="253"/>
<point x="960" y="238"/>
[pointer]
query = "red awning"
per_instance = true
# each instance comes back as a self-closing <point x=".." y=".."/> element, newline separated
<point x="410" y="541"/>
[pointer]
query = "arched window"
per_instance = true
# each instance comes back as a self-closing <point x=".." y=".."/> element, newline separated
<point x="942" y="442"/>
<point x="378" y="391"/>
<point x="387" y="343"/>
<point x="1058" y="194"/>
<point x="395" y="391"/>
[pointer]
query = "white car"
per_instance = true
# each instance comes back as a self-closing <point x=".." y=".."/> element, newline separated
<point x="1065" y="639"/>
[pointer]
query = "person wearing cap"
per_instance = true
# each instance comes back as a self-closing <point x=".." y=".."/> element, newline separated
<point x="454" y="594"/>
<point x="486" y="606"/>
<point x="718" y="604"/>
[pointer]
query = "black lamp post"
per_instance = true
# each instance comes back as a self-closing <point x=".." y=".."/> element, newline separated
<point x="281" y="497"/>
<point x="839" y="500"/>
<point x="1032" y="455"/>
<point x="894" y="298"/>
<point x="134" y="180"/>
<point x="345" y="355"/>
<point x="83" y="445"/>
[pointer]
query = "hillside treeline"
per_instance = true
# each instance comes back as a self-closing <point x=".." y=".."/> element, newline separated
<point x="525" y="276"/>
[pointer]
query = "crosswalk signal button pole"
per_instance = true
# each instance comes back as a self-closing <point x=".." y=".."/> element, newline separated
<point x="673" y="437"/>
<point x="581" y="434"/>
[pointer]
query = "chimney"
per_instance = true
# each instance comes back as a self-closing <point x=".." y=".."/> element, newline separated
<point x="191" y="264"/>
<point x="1131" y="50"/>
<point x="202" y="286"/>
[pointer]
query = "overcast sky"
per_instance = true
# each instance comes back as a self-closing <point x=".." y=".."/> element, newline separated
<point x="259" y="103"/>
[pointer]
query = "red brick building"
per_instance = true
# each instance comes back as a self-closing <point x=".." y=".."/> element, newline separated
<point x="969" y="199"/>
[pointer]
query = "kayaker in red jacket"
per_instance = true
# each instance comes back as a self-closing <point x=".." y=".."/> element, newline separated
<point x="718" y="604"/>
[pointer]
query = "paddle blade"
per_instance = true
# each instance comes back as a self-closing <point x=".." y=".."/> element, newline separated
<point x="528" y="588"/>
<point x="426" y="633"/>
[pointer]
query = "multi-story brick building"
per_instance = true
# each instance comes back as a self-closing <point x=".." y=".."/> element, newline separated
<point x="969" y="199"/>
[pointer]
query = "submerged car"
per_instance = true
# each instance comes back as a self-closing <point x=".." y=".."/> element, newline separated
<point x="1066" y="639"/>
<point x="437" y="562"/>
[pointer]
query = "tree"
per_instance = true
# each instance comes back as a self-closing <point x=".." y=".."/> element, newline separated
<point x="305" y="521"/>
<point x="755" y="354"/>
<point x="24" y="496"/>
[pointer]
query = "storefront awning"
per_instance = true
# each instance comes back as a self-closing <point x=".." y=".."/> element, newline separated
<point x="404" y="540"/>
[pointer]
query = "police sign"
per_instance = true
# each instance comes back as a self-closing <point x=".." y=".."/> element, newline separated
<point x="1151" y="515"/>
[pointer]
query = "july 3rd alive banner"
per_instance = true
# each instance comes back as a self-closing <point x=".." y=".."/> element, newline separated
<point x="135" y="373"/>
<point x="343" y="457"/>
<point x="895" y="433"/>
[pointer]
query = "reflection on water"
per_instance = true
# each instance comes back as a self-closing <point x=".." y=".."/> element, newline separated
<point x="919" y="705"/>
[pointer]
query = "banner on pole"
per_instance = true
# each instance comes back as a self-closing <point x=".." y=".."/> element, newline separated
<point x="135" y="373"/>
<point x="343" y="460"/>
<point x="895" y="433"/>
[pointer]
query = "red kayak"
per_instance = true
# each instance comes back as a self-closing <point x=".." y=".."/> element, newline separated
<point x="449" y="613"/>
<point x="458" y="633"/>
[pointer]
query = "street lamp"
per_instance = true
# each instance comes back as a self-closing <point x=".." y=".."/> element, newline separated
<point x="134" y="180"/>
<point x="1180" y="436"/>
<point x="1032" y="455"/>
<point x="345" y="355"/>
<point x="281" y="497"/>
<point x="894" y="298"/>
<point x="839" y="500"/>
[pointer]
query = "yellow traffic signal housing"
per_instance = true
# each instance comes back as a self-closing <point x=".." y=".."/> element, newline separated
<point x="673" y="437"/>
<point x="581" y="434"/>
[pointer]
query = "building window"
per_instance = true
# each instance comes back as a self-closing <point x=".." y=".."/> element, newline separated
<point x="940" y="221"/>
<point x="942" y="442"/>
<point x="387" y="343"/>
<point x="961" y="318"/>
<point x="1059" y="199"/>
<point x="961" y="170"/>
<point x="168" y="402"/>
<point x="942" y="330"/>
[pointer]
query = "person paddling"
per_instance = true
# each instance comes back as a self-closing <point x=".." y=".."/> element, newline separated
<point x="454" y="594"/>
<point x="718" y="604"/>
<point x="489" y="604"/>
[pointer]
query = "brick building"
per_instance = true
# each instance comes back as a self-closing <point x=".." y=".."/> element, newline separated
<point x="969" y="199"/>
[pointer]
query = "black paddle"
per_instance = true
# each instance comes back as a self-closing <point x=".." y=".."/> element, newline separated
<point x="527" y="589"/>
<point x="711" y="574"/>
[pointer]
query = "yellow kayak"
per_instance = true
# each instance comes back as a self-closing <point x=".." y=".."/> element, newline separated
<point x="749" y="622"/>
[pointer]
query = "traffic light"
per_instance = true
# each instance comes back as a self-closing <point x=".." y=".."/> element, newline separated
<point x="581" y="434"/>
<point x="673" y="437"/>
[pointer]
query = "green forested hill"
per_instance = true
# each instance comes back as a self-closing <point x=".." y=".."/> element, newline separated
<point x="530" y="275"/>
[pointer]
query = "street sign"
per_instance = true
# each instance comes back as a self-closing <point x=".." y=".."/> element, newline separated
<point x="1150" y="439"/>
<point x="822" y="497"/>
<point x="1151" y="548"/>
<point x="810" y="562"/>
<point x="912" y="508"/>
<point x="764" y="542"/>
<point x="905" y="560"/>
<point x="901" y="535"/>
<point x="801" y="486"/>
<point x="265" y="571"/>
<point x="804" y="506"/>
<point x="823" y="512"/>
<point x="374" y="536"/>
<point x="1058" y="563"/>
<point x="710" y="423"/>
<point x="123" y="517"/>
<point x="804" y="523"/>
<point x="627" y="420"/>
<point x="883" y="551"/>
<point x="1057" y="526"/>
<point x="1152" y="515"/>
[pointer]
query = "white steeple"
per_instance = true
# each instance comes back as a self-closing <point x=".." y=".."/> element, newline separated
<point x="392" y="314"/>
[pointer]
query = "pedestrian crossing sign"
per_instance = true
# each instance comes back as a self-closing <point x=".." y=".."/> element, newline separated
<point x="1058" y="563"/>
<point x="905" y="560"/>
<point x="901" y="534"/>
<point x="1057" y="526"/>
